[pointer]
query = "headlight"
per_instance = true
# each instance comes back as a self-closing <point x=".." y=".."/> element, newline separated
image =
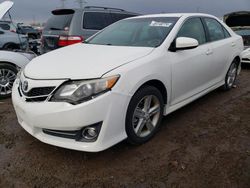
<point x="18" y="76"/>
<point x="76" y="92"/>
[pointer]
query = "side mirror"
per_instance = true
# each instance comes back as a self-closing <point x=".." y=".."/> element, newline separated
<point x="1" y="32"/>
<point x="184" y="43"/>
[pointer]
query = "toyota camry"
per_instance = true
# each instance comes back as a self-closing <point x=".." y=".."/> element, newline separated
<point x="119" y="83"/>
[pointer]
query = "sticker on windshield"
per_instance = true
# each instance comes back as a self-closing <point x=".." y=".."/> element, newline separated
<point x="159" y="24"/>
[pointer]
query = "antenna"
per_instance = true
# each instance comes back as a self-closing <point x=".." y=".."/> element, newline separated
<point x="63" y="3"/>
<point x="81" y="3"/>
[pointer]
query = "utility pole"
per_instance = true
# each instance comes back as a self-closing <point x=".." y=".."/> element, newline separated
<point x="63" y="3"/>
<point x="81" y="3"/>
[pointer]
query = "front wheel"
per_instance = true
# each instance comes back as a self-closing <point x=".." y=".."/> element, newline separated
<point x="7" y="77"/>
<point x="231" y="76"/>
<point x="144" y="115"/>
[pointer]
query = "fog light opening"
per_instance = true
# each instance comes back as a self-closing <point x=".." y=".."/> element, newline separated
<point x="90" y="133"/>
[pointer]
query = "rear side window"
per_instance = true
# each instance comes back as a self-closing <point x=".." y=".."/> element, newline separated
<point x="96" y="20"/>
<point x="60" y="20"/>
<point x="116" y="16"/>
<point x="227" y="35"/>
<point x="215" y="29"/>
<point x="193" y="28"/>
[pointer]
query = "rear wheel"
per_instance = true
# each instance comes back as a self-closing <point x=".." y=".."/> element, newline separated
<point x="7" y="77"/>
<point x="231" y="76"/>
<point x="144" y="115"/>
<point x="11" y="46"/>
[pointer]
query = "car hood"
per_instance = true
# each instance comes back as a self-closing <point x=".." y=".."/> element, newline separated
<point x="5" y="7"/>
<point x="238" y="19"/>
<point x="82" y="61"/>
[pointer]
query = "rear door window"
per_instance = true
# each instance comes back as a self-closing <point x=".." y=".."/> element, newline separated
<point x="215" y="29"/>
<point x="60" y="20"/>
<point x="96" y="20"/>
<point x="227" y="34"/>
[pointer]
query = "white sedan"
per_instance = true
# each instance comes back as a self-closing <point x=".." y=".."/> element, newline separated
<point x="10" y="64"/>
<point x="120" y="82"/>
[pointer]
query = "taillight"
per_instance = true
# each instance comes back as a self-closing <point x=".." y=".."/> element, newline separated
<point x="69" y="40"/>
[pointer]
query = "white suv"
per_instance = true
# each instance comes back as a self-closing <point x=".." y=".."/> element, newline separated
<point x="120" y="82"/>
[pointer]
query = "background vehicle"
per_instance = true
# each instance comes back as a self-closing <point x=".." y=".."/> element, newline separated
<point x="28" y="30"/>
<point x="11" y="41"/>
<point x="240" y="23"/>
<point x="10" y="62"/>
<point x="68" y="26"/>
<point x="138" y="69"/>
<point x="7" y="26"/>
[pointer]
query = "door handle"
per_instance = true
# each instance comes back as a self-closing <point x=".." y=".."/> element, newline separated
<point x="209" y="52"/>
<point x="233" y="44"/>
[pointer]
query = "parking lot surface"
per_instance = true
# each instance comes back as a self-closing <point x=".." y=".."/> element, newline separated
<point x="205" y="144"/>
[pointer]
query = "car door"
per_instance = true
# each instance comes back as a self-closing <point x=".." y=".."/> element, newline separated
<point x="1" y="38"/>
<point x="222" y="45"/>
<point x="191" y="68"/>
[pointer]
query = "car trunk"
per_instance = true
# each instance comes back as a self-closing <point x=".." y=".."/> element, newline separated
<point x="58" y="25"/>
<point x="240" y="23"/>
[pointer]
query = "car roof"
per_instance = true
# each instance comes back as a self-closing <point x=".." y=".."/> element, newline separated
<point x="99" y="9"/>
<point x="178" y="15"/>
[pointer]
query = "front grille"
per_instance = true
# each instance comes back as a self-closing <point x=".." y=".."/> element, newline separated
<point x="37" y="99"/>
<point x="38" y="94"/>
<point x="245" y="59"/>
<point x="40" y="91"/>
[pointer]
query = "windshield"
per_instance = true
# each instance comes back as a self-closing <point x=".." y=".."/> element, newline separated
<point x="139" y="32"/>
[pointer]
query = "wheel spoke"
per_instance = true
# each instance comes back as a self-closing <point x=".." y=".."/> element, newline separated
<point x="147" y="103"/>
<point x="140" y="126"/>
<point x="12" y="77"/>
<point x="154" y="110"/>
<point x="139" y="113"/>
<point x="150" y="126"/>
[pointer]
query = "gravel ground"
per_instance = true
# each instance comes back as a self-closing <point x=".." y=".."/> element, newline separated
<point x="205" y="144"/>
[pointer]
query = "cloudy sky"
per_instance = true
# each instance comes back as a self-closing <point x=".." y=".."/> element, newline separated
<point x="39" y="10"/>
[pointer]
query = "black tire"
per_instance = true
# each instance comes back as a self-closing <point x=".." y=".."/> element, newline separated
<point x="11" y="68"/>
<point x="145" y="91"/>
<point x="11" y="46"/>
<point x="230" y="84"/>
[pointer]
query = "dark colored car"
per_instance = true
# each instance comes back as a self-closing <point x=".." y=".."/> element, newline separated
<point x="28" y="30"/>
<point x="240" y="23"/>
<point x="70" y="26"/>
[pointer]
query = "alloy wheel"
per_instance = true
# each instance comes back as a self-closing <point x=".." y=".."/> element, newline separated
<point x="232" y="74"/>
<point x="146" y="116"/>
<point x="7" y="78"/>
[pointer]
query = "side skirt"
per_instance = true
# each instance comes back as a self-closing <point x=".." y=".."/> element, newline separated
<point x="170" y="109"/>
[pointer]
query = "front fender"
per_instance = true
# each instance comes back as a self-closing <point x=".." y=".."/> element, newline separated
<point x="137" y="73"/>
<point x="15" y="58"/>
